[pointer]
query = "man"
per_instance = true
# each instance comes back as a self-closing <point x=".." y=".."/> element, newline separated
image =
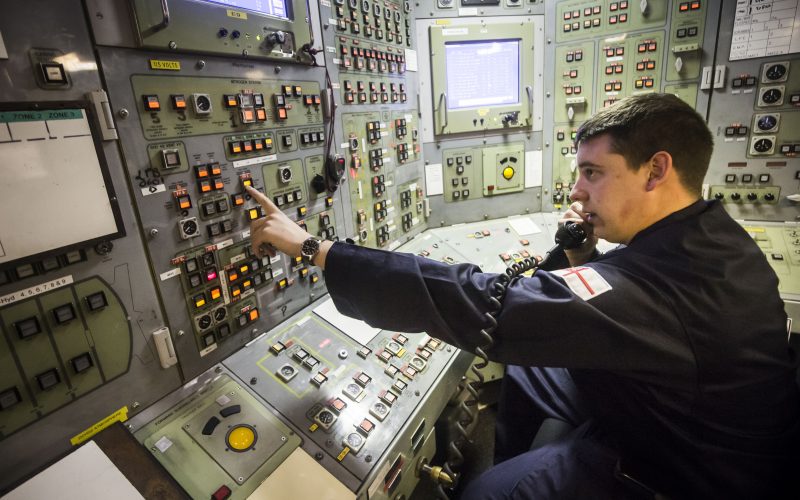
<point x="671" y="350"/>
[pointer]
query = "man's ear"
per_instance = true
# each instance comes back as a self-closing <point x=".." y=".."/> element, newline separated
<point x="659" y="168"/>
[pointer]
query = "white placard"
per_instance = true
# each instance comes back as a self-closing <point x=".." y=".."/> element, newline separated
<point x="434" y="179"/>
<point x="35" y="290"/>
<point x="353" y="328"/>
<point x="85" y="473"/>
<point x="533" y="169"/>
<point x="523" y="225"/>
<point x="411" y="60"/>
<point x="763" y="28"/>
<point x="3" y="51"/>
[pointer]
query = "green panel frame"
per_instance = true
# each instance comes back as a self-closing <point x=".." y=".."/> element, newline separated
<point x="483" y="117"/>
<point x="217" y="29"/>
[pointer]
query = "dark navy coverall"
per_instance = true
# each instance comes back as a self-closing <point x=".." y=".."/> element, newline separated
<point x="682" y="368"/>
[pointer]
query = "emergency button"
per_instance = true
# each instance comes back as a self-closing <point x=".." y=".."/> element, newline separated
<point x="508" y="173"/>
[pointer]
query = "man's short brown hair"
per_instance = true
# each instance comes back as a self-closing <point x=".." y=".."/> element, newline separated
<point x="640" y="126"/>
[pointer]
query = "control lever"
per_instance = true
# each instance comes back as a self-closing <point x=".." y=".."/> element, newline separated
<point x="276" y="38"/>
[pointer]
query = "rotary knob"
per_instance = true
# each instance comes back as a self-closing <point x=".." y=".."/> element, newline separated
<point x="276" y="38"/>
<point x="752" y="196"/>
<point x="769" y="197"/>
<point x="719" y="196"/>
<point x="735" y="196"/>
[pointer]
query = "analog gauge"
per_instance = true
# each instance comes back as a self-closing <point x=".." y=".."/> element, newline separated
<point x="380" y="408"/>
<point x="202" y="103"/>
<point x="325" y="417"/>
<point x="762" y="145"/>
<point x="204" y="321"/>
<point x="767" y="122"/>
<point x="189" y="227"/>
<point x="287" y="370"/>
<point x="776" y="72"/>
<point x="220" y="314"/>
<point x="354" y="440"/>
<point x="771" y="96"/>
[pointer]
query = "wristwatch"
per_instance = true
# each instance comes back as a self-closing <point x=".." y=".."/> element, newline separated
<point x="309" y="250"/>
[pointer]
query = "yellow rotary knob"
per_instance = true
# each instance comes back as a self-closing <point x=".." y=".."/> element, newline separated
<point x="508" y="173"/>
<point x="241" y="437"/>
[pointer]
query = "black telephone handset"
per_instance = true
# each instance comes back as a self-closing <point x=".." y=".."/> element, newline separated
<point x="570" y="235"/>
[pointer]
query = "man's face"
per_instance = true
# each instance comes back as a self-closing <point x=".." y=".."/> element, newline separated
<point x="613" y="195"/>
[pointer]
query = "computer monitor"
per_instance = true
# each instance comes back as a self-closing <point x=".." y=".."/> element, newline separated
<point x="469" y="85"/>
<point x="56" y="194"/>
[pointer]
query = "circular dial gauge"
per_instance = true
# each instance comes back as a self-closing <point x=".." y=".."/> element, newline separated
<point x="776" y="72"/>
<point x="771" y="96"/>
<point x="762" y="145"/>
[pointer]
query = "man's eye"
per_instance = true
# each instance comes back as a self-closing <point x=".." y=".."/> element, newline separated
<point x="588" y="172"/>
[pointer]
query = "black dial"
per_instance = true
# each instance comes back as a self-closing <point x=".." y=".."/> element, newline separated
<point x="220" y="314"/>
<point x="776" y="72"/>
<point x="771" y="96"/>
<point x="203" y="103"/>
<point x="762" y="145"/>
<point x="735" y="196"/>
<point x="204" y="322"/>
<point x="189" y="227"/>
<point x="325" y="417"/>
<point x="767" y="122"/>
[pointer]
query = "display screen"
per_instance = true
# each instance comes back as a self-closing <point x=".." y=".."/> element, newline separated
<point x="55" y="192"/>
<point x="274" y="8"/>
<point x="482" y="73"/>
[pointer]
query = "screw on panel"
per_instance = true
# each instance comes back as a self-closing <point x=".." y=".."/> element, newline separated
<point x="173" y="45"/>
<point x="253" y="381"/>
<point x="135" y="405"/>
<point x="277" y="69"/>
<point x="153" y="233"/>
<point x="123" y="113"/>
<point x="318" y="455"/>
<point x="201" y="64"/>
<point x="181" y="333"/>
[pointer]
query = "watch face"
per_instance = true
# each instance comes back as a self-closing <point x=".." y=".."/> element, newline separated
<point x="310" y="248"/>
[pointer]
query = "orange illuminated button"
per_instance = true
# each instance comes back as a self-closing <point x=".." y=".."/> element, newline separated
<point x="282" y="284"/>
<point x="247" y="182"/>
<point x="298" y="91"/>
<point x="205" y="186"/>
<point x="247" y="285"/>
<point x="218" y="184"/>
<point x="178" y="101"/>
<point x="261" y="114"/>
<point x="248" y="146"/>
<point x="683" y="7"/>
<point x="244" y="268"/>
<point x="184" y="202"/>
<point x="317" y="100"/>
<point x="308" y="100"/>
<point x="151" y="103"/>
<point x="651" y="47"/>
<point x="216" y="293"/>
<point x="238" y="199"/>
<point x="236" y="147"/>
<point x="253" y="314"/>
<point x="215" y="168"/>
<point x="233" y="275"/>
<point x="248" y="115"/>
<point x="201" y="171"/>
<point x="230" y="101"/>
<point x="258" y="144"/>
<point x="695" y="5"/>
<point x="282" y="114"/>
<point x="287" y="90"/>
<point x="236" y="291"/>
<point x="304" y="272"/>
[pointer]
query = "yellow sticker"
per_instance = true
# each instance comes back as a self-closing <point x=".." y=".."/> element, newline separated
<point x="442" y="22"/>
<point x="343" y="454"/>
<point x="313" y="427"/>
<point x="168" y="65"/>
<point x="236" y="14"/>
<point x="483" y="111"/>
<point x="751" y="229"/>
<point x="120" y="415"/>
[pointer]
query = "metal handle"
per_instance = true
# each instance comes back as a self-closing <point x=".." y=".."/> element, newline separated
<point x="529" y="90"/>
<point x="443" y="96"/>
<point x="164" y="17"/>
